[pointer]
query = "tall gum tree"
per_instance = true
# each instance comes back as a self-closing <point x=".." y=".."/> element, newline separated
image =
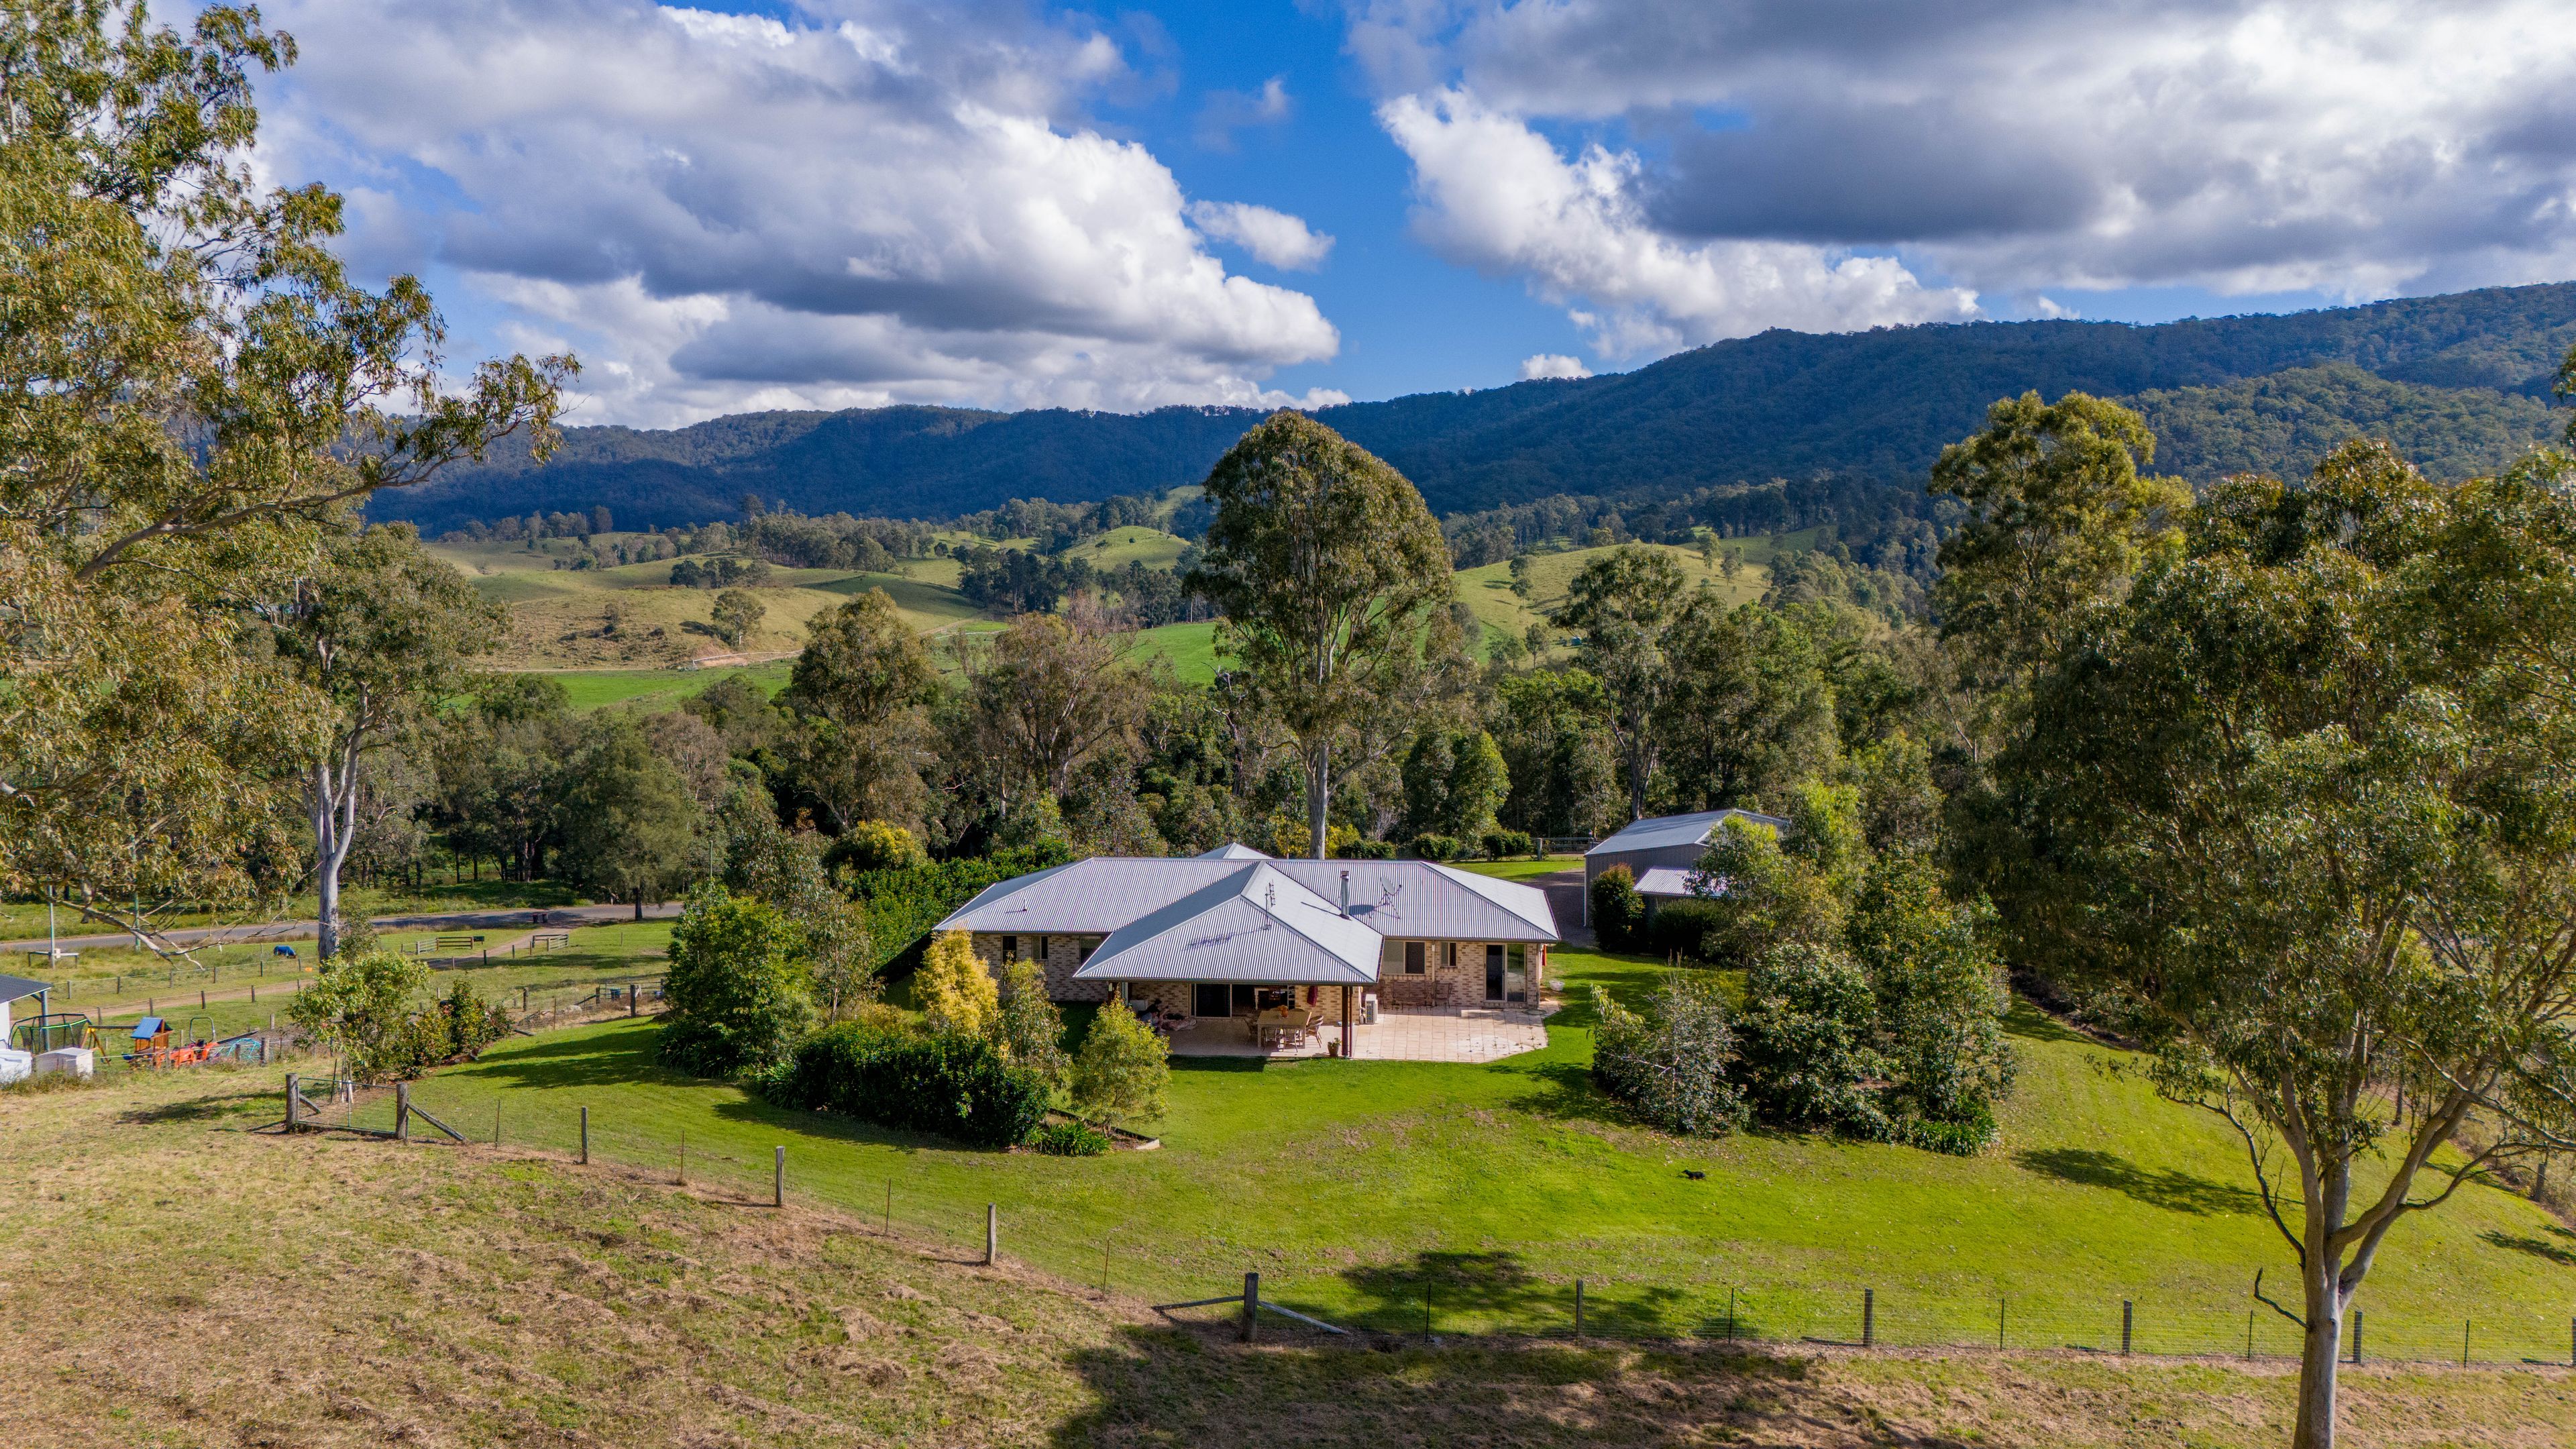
<point x="2299" y="812"/>
<point x="1620" y="605"/>
<point x="1334" y="583"/>
<point x="192" y="394"/>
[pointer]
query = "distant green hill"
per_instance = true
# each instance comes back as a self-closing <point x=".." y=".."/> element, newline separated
<point x="2460" y="381"/>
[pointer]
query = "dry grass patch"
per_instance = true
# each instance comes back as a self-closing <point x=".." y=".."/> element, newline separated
<point x="180" y="1281"/>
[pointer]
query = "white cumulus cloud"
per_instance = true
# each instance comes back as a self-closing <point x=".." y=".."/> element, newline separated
<point x="2245" y="146"/>
<point x="1497" y="195"/>
<point x="872" y="204"/>
<point x="1552" y="364"/>
<point x="1272" y="237"/>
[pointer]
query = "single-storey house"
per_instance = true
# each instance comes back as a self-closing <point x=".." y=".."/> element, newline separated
<point x="1236" y="933"/>
<point x="1660" y="851"/>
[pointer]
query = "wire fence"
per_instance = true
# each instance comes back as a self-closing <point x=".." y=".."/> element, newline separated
<point x="1525" y="1290"/>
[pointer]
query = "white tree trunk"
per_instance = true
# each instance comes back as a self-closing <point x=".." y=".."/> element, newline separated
<point x="331" y="787"/>
<point x="1319" y="795"/>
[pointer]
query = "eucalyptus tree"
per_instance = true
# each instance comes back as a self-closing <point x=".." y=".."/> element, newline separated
<point x="1334" y="584"/>
<point x="1620" y="606"/>
<point x="192" y="395"/>
<point x="1049" y="695"/>
<point x="379" y="634"/>
<point x="855" y="697"/>
<point x="2298" y="809"/>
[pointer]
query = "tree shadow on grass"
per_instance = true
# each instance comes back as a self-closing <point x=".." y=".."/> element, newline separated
<point x="622" y="1055"/>
<point x="2559" y="1252"/>
<point x="265" y="1105"/>
<point x="2175" y="1191"/>
<point x="1181" y="1385"/>
<point x="2027" y="1021"/>
<point x="1493" y="1291"/>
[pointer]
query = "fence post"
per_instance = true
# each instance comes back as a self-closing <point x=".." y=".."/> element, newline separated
<point x="2464" y="1343"/>
<point x="2249" y="1335"/>
<point x="992" y="1233"/>
<point x="1251" y="1305"/>
<point x="402" y="1111"/>
<point x="2128" y="1322"/>
<point x="889" y="1227"/>
<point x="1999" y="1322"/>
<point x="496" y="1121"/>
<point x="778" y="1179"/>
<point x="1730" y="1315"/>
<point x="1578" y="1308"/>
<point x="2356" y="1337"/>
<point x="630" y="998"/>
<point x="294" y="1101"/>
<point x="1869" y="1318"/>
<point x="683" y="1179"/>
<point x="585" y="1137"/>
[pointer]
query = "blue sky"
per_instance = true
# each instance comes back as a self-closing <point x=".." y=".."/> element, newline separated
<point x="824" y="203"/>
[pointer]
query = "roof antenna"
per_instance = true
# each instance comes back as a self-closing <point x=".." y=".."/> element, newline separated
<point x="1269" y="904"/>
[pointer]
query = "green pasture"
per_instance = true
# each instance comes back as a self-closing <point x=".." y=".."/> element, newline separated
<point x="1358" y="1188"/>
<point x="660" y="689"/>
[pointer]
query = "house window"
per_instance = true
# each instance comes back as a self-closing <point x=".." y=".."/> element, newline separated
<point x="1393" y="960"/>
<point x="1452" y="952"/>
<point x="1416" y="957"/>
<point x="1209" y="998"/>
<point x="1083" y="948"/>
<point x="1010" y="949"/>
<point x="1041" y="955"/>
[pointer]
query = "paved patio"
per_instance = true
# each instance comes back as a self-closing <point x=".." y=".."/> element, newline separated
<point x="1444" y="1034"/>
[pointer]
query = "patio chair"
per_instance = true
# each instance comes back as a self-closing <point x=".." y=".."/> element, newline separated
<point x="1313" y="1028"/>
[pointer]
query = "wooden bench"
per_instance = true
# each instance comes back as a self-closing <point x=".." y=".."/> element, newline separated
<point x="549" y="940"/>
<point x="457" y="943"/>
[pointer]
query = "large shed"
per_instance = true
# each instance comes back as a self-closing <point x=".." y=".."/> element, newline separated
<point x="1661" y="849"/>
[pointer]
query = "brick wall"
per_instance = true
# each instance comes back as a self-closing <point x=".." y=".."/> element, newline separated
<point x="1063" y="958"/>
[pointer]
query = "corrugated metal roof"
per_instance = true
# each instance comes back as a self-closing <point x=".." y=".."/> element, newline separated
<point x="1256" y="924"/>
<point x="1416" y="898"/>
<point x="1664" y="880"/>
<point x="1658" y="831"/>
<point x="14" y="987"/>
<point x="1231" y="850"/>
<point x="1087" y="898"/>
<point x="1408" y="898"/>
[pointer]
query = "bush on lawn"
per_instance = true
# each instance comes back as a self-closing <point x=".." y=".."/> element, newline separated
<point x="1617" y="909"/>
<point x="1069" y="1139"/>
<point x="1806" y="1040"/>
<point x="1365" y="850"/>
<point x="1436" y="847"/>
<point x="1028" y="1028"/>
<point x="1506" y="844"/>
<point x="1122" y="1070"/>
<point x="1671" y="1062"/>
<point x="737" y="997"/>
<point x="952" y="1085"/>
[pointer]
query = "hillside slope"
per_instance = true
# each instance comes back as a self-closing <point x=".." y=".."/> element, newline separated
<point x="2466" y="373"/>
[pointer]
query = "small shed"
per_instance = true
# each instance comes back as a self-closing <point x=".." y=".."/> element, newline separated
<point x="1661" y="849"/>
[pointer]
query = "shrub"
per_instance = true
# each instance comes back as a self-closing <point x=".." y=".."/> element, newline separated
<point x="1766" y="896"/>
<point x="1671" y="1062"/>
<point x="1123" y="1069"/>
<point x="1069" y="1139"/>
<point x="1436" y="847"/>
<point x="878" y="845"/>
<point x="1291" y="838"/>
<point x="1805" y="1039"/>
<point x="952" y="1085"/>
<point x="1365" y="850"/>
<point x="738" y="1003"/>
<point x="1683" y="927"/>
<point x="1940" y="995"/>
<point x="954" y="990"/>
<point x="1504" y="844"/>
<point x="1617" y="909"/>
<point x="358" y="1008"/>
<point x="1028" y="1028"/>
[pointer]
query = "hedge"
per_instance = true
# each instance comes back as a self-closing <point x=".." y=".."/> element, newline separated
<point x="902" y="904"/>
<point x="955" y="1086"/>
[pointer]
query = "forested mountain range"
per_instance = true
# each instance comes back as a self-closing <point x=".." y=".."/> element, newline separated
<point x="2460" y="382"/>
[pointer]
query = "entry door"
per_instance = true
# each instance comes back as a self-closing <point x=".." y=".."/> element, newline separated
<point x="1209" y="998"/>
<point x="1493" y="973"/>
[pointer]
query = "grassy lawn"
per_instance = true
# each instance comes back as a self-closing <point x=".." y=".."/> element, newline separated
<point x="1523" y="869"/>
<point x="380" y="1294"/>
<point x="1354" y="1186"/>
<point x="1488" y="588"/>
<point x="250" y="987"/>
<point x="1120" y="547"/>
<point x="658" y="689"/>
<point x="1190" y="647"/>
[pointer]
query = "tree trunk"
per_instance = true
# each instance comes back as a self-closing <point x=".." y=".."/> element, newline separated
<point x="2319" y="1352"/>
<point x="1319" y="795"/>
